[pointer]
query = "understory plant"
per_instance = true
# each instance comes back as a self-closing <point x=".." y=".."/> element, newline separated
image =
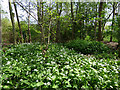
<point x="24" y="66"/>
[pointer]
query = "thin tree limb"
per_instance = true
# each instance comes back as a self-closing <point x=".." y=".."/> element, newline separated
<point x="28" y="12"/>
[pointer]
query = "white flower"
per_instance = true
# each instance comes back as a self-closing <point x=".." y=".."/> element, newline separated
<point x="20" y="79"/>
<point x="10" y="66"/>
<point x="117" y="72"/>
<point x="8" y="62"/>
<point x="45" y="83"/>
<point x="48" y="78"/>
<point x="48" y="63"/>
<point x="8" y="82"/>
<point x="53" y="77"/>
<point x="82" y="71"/>
<point x="111" y="86"/>
<point x="105" y="76"/>
<point x="94" y="63"/>
<point x="36" y="80"/>
<point x="27" y="73"/>
<point x="52" y="62"/>
<point x="105" y="70"/>
<point x="48" y="83"/>
<point x="35" y="70"/>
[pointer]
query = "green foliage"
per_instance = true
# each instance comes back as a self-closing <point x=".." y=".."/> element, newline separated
<point x="87" y="47"/>
<point x="106" y="56"/>
<point x="6" y="30"/>
<point x="107" y="38"/>
<point x="24" y="66"/>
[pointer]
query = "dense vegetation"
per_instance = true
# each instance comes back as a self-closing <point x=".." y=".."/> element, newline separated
<point x="98" y="49"/>
<point x="24" y="66"/>
<point x="78" y="45"/>
<point x="87" y="47"/>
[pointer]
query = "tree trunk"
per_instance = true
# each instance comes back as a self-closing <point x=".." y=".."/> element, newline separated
<point x="0" y="47"/>
<point x="42" y="15"/>
<point x="119" y="30"/>
<point x="12" y="20"/>
<point x="29" y="33"/>
<point x="86" y="22"/>
<point x="95" y="23"/>
<point x="81" y="23"/>
<point x="38" y="11"/>
<point x="18" y="22"/>
<point x="39" y="19"/>
<point x="58" y="23"/>
<point x="49" y="24"/>
<point x="0" y="31"/>
<point x="113" y="21"/>
<point x="100" y="22"/>
<point x="72" y="16"/>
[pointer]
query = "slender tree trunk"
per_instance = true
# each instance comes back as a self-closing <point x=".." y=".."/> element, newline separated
<point x="40" y="15"/>
<point x="119" y="30"/>
<point x="95" y="23"/>
<point x="58" y="23"/>
<point x="42" y="18"/>
<point x="18" y="22"/>
<point x="113" y="21"/>
<point x="29" y="33"/>
<point x="0" y="48"/>
<point x="81" y="22"/>
<point x="100" y="22"/>
<point x="49" y="24"/>
<point x="72" y="16"/>
<point x="39" y="18"/>
<point x="12" y="20"/>
<point x="0" y="30"/>
<point x="38" y="11"/>
<point x="77" y="8"/>
<point x="86" y="22"/>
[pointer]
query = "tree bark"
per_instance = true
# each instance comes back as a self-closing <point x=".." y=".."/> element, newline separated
<point x="39" y="18"/>
<point x="72" y="16"/>
<point x="95" y="22"/>
<point x="38" y="11"/>
<point x="0" y="48"/>
<point x="119" y="30"/>
<point x="81" y="22"/>
<point x="49" y="23"/>
<point x="12" y="20"/>
<point x="18" y="22"/>
<point x="100" y="22"/>
<point x="113" y="21"/>
<point x="108" y="18"/>
<point x="40" y="15"/>
<point x="29" y="33"/>
<point x="58" y="22"/>
<point x="0" y="30"/>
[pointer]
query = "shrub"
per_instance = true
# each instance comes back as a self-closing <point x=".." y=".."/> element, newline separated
<point x="87" y="47"/>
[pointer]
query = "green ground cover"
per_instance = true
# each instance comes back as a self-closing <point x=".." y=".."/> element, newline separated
<point x="24" y="66"/>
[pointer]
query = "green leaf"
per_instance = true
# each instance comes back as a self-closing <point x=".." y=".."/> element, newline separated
<point x="68" y="85"/>
<point x="55" y="86"/>
<point x="26" y="82"/>
<point x="39" y="84"/>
